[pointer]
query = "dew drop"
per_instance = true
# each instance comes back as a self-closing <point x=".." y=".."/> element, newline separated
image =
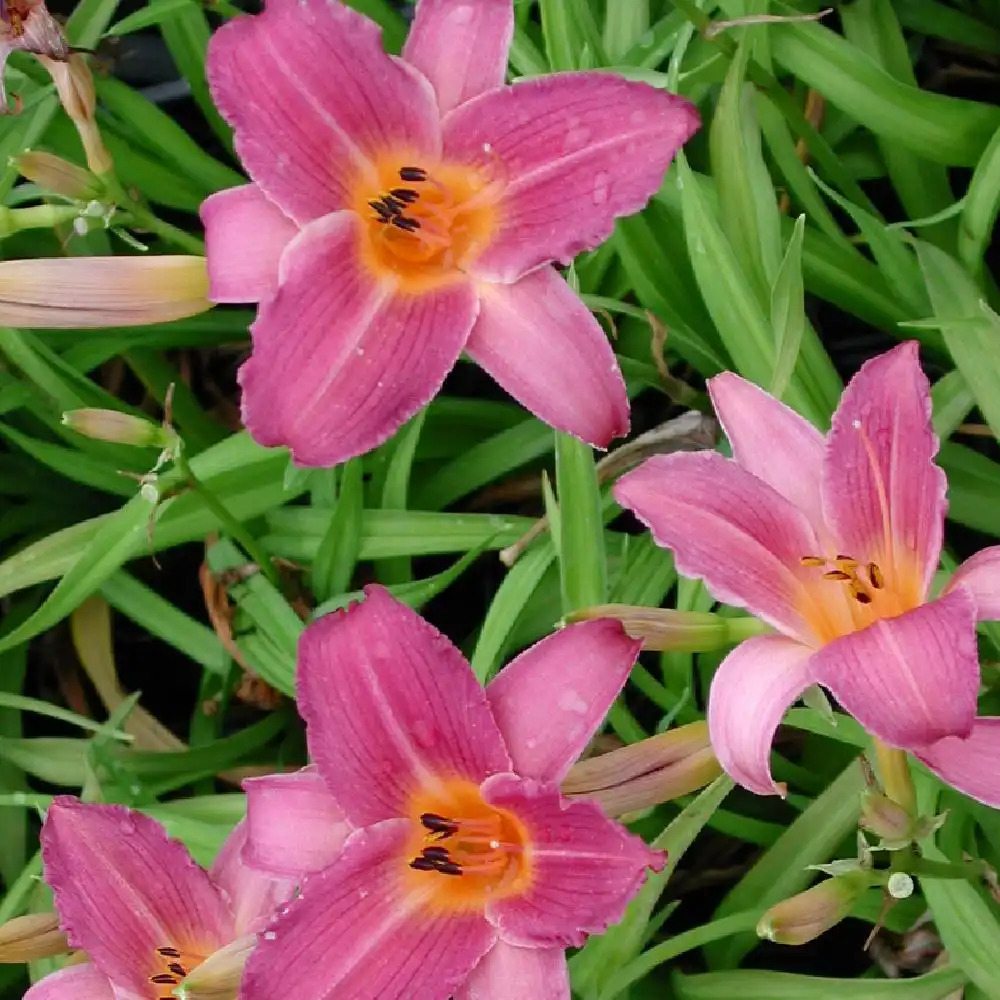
<point x="269" y="935"/>
<point x="571" y="701"/>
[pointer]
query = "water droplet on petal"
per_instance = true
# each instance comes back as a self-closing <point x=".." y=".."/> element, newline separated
<point x="572" y="701"/>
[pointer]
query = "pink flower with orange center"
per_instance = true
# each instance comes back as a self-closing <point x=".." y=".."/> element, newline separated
<point x="403" y="210"/>
<point x="136" y="902"/>
<point x="834" y="542"/>
<point x="446" y="861"/>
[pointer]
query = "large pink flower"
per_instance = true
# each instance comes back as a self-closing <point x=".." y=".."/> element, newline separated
<point x="403" y="210"/>
<point x="139" y="906"/>
<point x="833" y="541"/>
<point x="446" y="861"/>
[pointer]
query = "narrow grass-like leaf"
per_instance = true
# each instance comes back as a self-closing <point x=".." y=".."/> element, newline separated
<point x="982" y="204"/>
<point x="337" y="553"/>
<point x="396" y="490"/>
<point x="757" y="984"/>
<point x="582" y="561"/>
<point x="788" y="313"/>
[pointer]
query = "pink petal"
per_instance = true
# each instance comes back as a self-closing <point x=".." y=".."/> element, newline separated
<point x="980" y="576"/>
<point x="340" y="359"/>
<point x="909" y="680"/>
<point x="971" y="765"/>
<point x="551" y="699"/>
<point x="882" y="445"/>
<point x="511" y="973"/>
<point x="753" y="687"/>
<point x="253" y="896"/>
<point x="356" y="935"/>
<point x="585" y="867"/>
<point x="729" y="528"/>
<point x="294" y="826"/>
<point x="461" y="46"/>
<point x="76" y="982"/>
<point x="245" y="235"/>
<point x="772" y="442"/>
<point x="123" y="889"/>
<point x="543" y="345"/>
<point x="577" y="150"/>
<point x="314" y="99"/>
<point x="392" y="707"/>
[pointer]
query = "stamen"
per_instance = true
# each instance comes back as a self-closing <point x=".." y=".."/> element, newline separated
<point x="405" y="223"/>
<point x="393" y="204"/>
<point x="168" y="952"/>
<point x="437" y="854"/>
<point x="875" y="576"/>
<point x="858" y="592"/>
<point x="163" y="980"/>
<point x="412" y="174"/>
<point x="836" y="574"/>
<point x="406" y="195"/>
<point x="813" y="561"/>
<point x="438" y="824"/>
<point x="177" y="969"/>
<point x="384" y="212"/>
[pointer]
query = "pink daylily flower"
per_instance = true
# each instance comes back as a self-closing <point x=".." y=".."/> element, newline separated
<point x="140" y="907"/>
<point x="446" y="862"/>
<point x="27" y="25"/>
<point x="404" y="209"/>
<point x="834" y="542"/>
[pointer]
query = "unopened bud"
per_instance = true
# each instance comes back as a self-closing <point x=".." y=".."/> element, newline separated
<point x="58" y="175"/>
<point x="28" y="938"/>
<point x="677" y="631"/>
<point x="805" y="916"/>
<point x="218" y="977"/>
<point x="644" y="774"/>
<point x="75" y="86"/>
<point x="888" y="820"/>
<point x="119" y="428"/>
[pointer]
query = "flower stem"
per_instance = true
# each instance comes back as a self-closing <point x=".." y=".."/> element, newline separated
<point x="143" y="218"/>
<point x="894" y="770"/>
<point x="226" y="519"/>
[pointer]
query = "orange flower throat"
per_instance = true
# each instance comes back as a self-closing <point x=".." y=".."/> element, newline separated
<point x="174" y="967"/>
<point x="465" y="851"/>
<point x="424" y="227"/>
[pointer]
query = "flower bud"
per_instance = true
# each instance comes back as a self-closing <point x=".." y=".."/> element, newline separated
<point x="75" y="86"/>
<point x="888" y="820"/>
<point x="805" y="916"/>
<point x="677" y="631"/>
<point x="119" y="428"/>
<point x="218" y="977"/>
<point x="57" y="175"/>
<point x="28" y="938"/>
<point x="644" y="774"/>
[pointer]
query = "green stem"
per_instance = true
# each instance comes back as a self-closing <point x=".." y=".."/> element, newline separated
<point x="14" y="220"/>
<point x="232" y="526"/>
<point x="143" y="218"/>
<point x="971" y="871"/>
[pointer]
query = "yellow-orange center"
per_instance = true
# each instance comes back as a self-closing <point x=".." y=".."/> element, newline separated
<point x="425" y="223"/>
<point x="171" y="966"/>
<point x="464" y="852"/>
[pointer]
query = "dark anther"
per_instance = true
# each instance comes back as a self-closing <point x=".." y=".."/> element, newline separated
<point x="423" y="864"/>
<point x="163" y="980"/>
<point x="168" y="952"/>
<point x="875" y="576"/>
<point x="862" y="598"/>
<point x="384" y="212"/>
<point x="405" y="223"/>
<point x="177" y="969"/>
<point x="438" y="824"/>
<point x="406" y="195"/>
<point x="450" y="868"/>
<point x="412" y="174"/>
<point x="836" y="574"/>
<point x="437" y="854"/>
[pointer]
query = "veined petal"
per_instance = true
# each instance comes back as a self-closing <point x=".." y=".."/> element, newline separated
<point x="76" y="982"/>
<point x="753" y="687"/>
<point x="584" y="867"/>
<point x="971" y="765"/>
<point x="726" y="526"/>
<point x="340" y="358"/>
<point x="883" y="495"/>
<point x="123" y="889"/>
<point x="245" y="235"/>
<point x="772" y="442"/>
<point x="356" y="934"/>
<point x="511" y="973"/>
<point x="314" y="100"/>
<point x="294" y="827"/>
<point x="577" y="150"/>
<point x="909" y="680"/>
<point x="391" y="707"/>
<point x="543" y="345"/>
<point x="980" y="576"/>
<point x="460" y="46"/>
<point x="252" y="895"/>
<point x="549" y="701"/>
<point x="60" y="293"/>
